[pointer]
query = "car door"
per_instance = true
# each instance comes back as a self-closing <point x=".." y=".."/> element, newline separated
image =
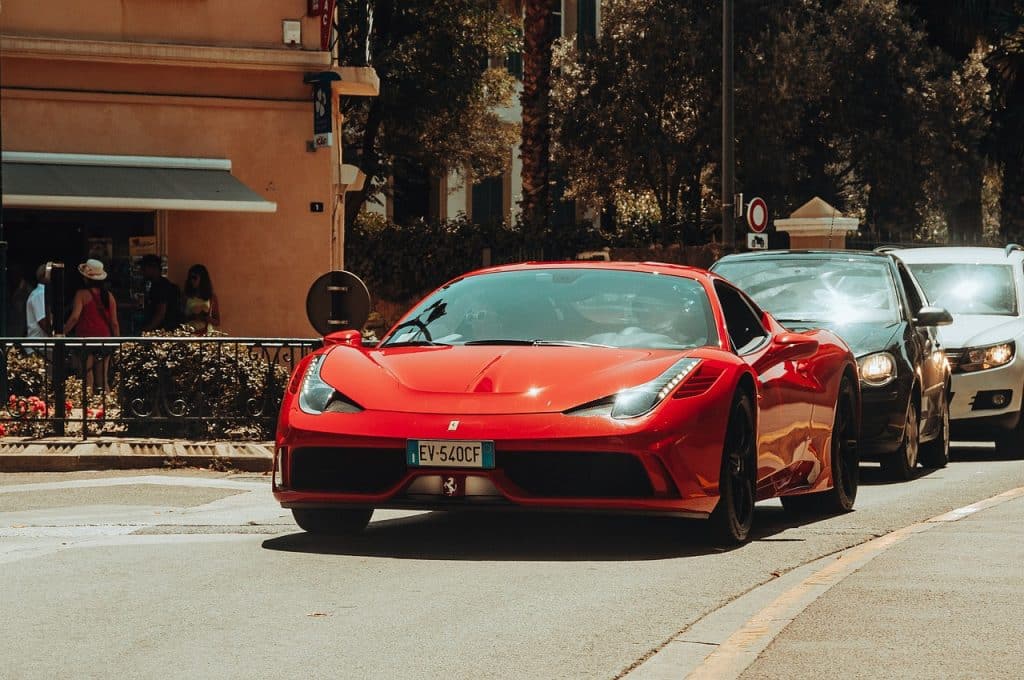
<point x="925" y="352"/>
<point x="783" y="407"/>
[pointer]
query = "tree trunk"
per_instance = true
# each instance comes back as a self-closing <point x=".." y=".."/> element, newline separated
<point x="355" y="200"/>
<point x="536" y="140"/>
<point x="1011" y="204"/>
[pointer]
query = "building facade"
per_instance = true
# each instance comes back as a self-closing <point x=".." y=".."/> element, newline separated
<point x="180" y="128"/>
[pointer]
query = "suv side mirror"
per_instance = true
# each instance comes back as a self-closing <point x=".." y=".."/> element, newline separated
<point x="933" y="316"/>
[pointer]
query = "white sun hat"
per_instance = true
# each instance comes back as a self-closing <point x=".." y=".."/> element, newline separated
<point x="92" y="269"/>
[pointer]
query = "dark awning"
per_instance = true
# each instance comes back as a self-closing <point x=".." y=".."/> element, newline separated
<point x="80" y="181"/>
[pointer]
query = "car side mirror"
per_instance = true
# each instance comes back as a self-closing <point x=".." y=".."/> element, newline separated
<point x="933" y="316"/>
<point x="793" y="346"/>
<point x="352" y="338"/>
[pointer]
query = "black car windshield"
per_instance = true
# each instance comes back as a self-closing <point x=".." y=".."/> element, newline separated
<point x="563" y="306"/>
<point x="832" y="291"/>
<point x="968" y="288"/>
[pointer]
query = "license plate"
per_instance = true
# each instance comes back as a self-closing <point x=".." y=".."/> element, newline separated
<point x="449" y="453"/>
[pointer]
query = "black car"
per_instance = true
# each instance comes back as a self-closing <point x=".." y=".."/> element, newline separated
<point x="875" y="305"/>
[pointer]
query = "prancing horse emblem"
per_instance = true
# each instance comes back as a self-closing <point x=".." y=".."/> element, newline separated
<point x="452" y="426"/>
<point x="450" y="486"/>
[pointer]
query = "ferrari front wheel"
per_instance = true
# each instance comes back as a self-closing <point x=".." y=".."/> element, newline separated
<point x="332" y="521"/>
<point x="733" y="517"/>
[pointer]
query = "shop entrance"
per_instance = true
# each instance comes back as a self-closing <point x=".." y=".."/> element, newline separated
<point x="39" y="236"/>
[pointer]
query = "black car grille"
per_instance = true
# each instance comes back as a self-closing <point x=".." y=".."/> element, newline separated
<point x="573" y="474"/>
<point x="346" y="470"/>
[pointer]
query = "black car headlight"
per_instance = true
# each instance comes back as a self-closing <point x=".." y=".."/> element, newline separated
<point x="877" y="369"/>
<point x="983" y="358"/>
<point x="316" y="396"/>
<point x="636" y="401"/>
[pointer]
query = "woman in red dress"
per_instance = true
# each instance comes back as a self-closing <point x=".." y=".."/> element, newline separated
<point x="94" y="315"/>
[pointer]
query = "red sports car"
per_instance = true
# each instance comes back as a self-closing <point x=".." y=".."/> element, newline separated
<point x="633" y="387"/>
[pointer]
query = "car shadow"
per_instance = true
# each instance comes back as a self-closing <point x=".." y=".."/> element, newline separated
<point x="531" y="536"/>
<point x="872" y="475"/>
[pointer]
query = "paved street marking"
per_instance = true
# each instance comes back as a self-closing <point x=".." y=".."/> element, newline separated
<point x="685" y="655"/>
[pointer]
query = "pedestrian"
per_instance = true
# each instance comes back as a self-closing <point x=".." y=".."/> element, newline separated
<point x="37" y="321"/>
<point x="94" y="315"/>
<point x="161" y="309"/>
<point x="202" y="311"/>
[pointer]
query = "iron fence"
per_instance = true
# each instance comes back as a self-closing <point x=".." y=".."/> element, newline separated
<point x="169" y="387"/>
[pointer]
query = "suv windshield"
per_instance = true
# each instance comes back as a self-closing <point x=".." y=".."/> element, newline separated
<point x="968" y="288"/>
<point x="563" y="306"/>
<point x="822" y="291"/>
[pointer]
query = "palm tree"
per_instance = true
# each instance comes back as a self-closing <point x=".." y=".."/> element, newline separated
<point x="538" y="38"/>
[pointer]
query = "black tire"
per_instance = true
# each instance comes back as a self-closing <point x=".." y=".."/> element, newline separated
<point x="845" y="463"/>
<point x="733" y="517"/>
<point x="900" y="464"/>
<point x="935" y="454"/>
<point x="332" y="521"/>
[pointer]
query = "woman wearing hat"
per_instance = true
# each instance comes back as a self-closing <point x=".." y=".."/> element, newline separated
<point x="94" y="315"/>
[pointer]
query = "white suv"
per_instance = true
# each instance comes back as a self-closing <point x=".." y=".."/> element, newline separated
<point x="983" y="288"/>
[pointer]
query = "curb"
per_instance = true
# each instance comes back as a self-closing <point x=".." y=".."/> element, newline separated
<point x="69" y="455"/>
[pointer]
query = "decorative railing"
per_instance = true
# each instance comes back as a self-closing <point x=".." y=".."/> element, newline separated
<point x="197" y="388"/>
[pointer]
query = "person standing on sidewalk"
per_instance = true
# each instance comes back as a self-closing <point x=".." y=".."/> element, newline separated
<point x="163" y="299"/>
<point x="37" y="321"/>
<point x="94" y="315"/>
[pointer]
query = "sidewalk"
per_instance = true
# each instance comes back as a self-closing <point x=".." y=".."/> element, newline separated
<point x="945" y="603"/>
<point x="68" y="454"/>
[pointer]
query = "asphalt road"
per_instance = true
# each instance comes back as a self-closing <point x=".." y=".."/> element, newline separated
<point x="189" y="574"/>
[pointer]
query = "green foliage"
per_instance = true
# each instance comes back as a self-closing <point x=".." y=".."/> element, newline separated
<point x="437" y="106"/>
<point x="229" y="384"/>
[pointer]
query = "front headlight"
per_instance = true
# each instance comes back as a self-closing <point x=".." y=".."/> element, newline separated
<point x="877" y="370"/>
<point x="982" y="358"/>
<point x="636" y="401"/>
<point x="316" y="396"/>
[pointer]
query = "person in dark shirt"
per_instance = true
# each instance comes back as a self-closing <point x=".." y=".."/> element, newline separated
<point x="161" y="310"/>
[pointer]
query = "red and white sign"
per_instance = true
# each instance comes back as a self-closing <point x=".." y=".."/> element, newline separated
<point x="757" y="215"/>
<point x="326" y="23"/>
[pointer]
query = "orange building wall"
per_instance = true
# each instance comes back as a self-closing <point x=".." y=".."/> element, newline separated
<point x="261" y="264"/>
<point x="199" y="22"/>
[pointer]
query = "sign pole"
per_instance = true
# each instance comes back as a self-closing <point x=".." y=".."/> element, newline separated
<point x="728" y="133"/>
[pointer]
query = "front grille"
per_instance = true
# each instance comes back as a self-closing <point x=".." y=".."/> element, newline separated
<point x="575" y="474"/>
<point x="346" y="470"/>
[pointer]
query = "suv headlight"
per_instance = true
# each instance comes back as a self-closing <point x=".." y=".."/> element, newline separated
<point x="877" y="369"/>
<point x="316" y="396"/>
<point x="983" y="358"/>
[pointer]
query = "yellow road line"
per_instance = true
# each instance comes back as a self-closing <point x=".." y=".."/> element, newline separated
<point x="742" y="648"/>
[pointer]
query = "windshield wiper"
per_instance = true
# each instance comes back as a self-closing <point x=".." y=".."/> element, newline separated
<point x="500" y="342"/>
<point x="414" y="343"/>
<point x="538" y="343"/>
<point x="569" y="343"/>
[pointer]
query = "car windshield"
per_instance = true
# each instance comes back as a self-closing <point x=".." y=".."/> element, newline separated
<point x="818" y="291"/>
<point x="968" y="288"/>
<point x="569" y="306"/>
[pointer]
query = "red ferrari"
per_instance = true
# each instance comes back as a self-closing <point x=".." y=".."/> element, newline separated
<point x="632" y="387"/>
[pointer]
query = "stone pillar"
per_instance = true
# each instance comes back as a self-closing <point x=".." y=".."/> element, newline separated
<point x="817" y="225"/>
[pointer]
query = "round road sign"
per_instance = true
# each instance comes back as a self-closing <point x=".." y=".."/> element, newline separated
<point x="337" y="301"/>
<point x="757" y="215"/>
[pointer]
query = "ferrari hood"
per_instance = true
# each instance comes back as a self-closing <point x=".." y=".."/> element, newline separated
<point x="488" y="380"/>
<point x="973" y="330"/>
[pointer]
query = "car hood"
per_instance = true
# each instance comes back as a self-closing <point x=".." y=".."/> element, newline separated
<point x="973" y="330"/>
<point x="489" y="380"/>
<point x="862" y="338"/>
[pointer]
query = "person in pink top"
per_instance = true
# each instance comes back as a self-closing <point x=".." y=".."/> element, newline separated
<point x="94" y="315"/>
